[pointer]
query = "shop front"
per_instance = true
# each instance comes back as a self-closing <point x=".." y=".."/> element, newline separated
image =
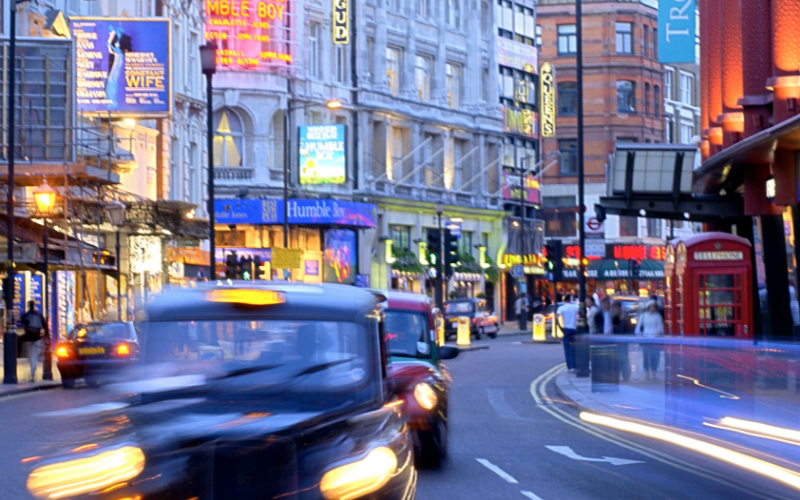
<point x="324" y="239"/>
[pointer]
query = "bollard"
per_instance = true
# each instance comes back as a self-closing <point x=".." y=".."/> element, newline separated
<point x="539" y="334"/>
<point x="463" y="335"/>
<point x="605" y="368"/>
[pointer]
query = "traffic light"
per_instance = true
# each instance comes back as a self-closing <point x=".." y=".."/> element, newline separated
<point x="434" y="247"/>
<point x="263" y="271"/>
<point x="635" y="268"/>
<point x="245" y="268"/>
<point x="256" y="267"/>
<point x="599" y="213"/>
<point x="555" y="254"/>
<point x="450" y="252"/>
<point x="231" y="264"/>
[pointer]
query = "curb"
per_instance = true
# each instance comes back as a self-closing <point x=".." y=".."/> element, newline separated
<point x="538" y="342"/>
<point x="22" y="390"/>
<point x="473" y="347"/>
<point x="563" y="395"/>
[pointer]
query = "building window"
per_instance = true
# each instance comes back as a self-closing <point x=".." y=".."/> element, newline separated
<point x="567" y="98"/>
<point x="194" y="51"/>
<point x="453" y="14"/>
<point x="628" y="226"/>
<point x="687" y="132"/>
<point x="686" y="84"/>
<point x="655" y="43"/>
<point x="568" y="165"/>
<point x="657" y="105"/>
<point x="370" y="57"/>
<point x="560" y="216"/>
<point x="486" y="21"/>
<point x="422" y="78"/>
<point x="646" y="98"/>
<point x="670" y="130"/>
<point x="174" y="170"/>
<point x="393" y="69"/>
<point x="397" y="154"/>
<point x="647" y="41"/>
<point x="538" y="35"/>
<point x="567" y="39"/>
<point x="624" y="38"/>
<point x="654" y="228"/>
<point x="228" y="139"/>
<point x="313" y="47"/>
<point x="465" y="243"/>
<point x="422" y="9"/>
<point x="401" y="236"/>
<point x="341" y="64"/>
<point x="453" y="84"/>
<point x="626" y="96"/>
<point x="669" y="75"/>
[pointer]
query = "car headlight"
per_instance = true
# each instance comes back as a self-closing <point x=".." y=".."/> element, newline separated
<point x="425" y="395"/>
<point x="84" y="475"/>
<point x="359" y="478"/>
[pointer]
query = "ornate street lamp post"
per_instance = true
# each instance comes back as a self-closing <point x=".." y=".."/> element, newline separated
<point x="45" y="198"/>
<point x="208" y="61"/>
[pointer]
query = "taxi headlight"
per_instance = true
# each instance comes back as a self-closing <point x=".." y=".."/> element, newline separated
<point x="84" y="475"/>
<point x="425" y="395"/>
<point x="359" y="478"/>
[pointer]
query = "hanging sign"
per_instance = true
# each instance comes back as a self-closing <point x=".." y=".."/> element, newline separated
<point x="548" y="99"/>
<point x="677" y="23"/>
<point x="341" y="22"/>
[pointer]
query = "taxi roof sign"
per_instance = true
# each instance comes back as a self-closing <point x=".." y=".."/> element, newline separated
<point x="246" y="296"/>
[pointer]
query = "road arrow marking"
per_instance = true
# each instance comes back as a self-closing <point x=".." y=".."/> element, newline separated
<point x="569" y="453"/>
<point x="531" y="495"/>
<point x="497" y="470"/>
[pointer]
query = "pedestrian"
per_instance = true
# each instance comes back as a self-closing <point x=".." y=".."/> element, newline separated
<point x="547" y="300"/>
<point x="520" y="309"/>
<point x="591" y="313"/>
<point x="619" y="326"/>
<point x="567" y="316"/>
<point x="651" y="325"/>
<point x="33" y="321"/>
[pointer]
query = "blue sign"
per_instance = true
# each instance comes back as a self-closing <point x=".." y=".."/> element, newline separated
<point x="18" y="303"/>
<point x="455" y="227"/>
<point x="517" y="271"/>
<point x="301" y="211"/>
<point x="36" y="291"/>
<point x="322" y="157"/>
<point x="312" y="268"/>
<point x="122" y="65"/>
<point x="264" y="253"/>
<point x="677" y="28"/>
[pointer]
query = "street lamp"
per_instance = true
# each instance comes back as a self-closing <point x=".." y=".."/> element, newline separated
<point x="45" y="198"/>
<point x="116" y="214"/>
<point x="287" y="144"/>
<point x="208" y="61"/>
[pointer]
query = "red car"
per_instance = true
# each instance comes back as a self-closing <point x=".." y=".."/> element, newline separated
<point x="421" y="380"/>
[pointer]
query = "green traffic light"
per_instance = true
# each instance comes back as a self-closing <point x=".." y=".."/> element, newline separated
<point x="246" y="275"/>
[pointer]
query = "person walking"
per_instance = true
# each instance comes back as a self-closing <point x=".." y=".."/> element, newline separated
<point x="567" y="317"/>
<point x="591" y="313"/>
<point x="602" y="319"/>
<point x="619" y="326"/>
<point x="651" y="325"/>
<point x="33" y="321"/>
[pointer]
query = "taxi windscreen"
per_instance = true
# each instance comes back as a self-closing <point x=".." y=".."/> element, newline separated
<point x="101" y="333"/>
<point x="316" y="355"/>
<point x="458" y="307"/>
<point x="405" y="332"/>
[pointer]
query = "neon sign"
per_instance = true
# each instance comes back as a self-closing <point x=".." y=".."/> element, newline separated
<point x="250" y="35"/>
<point x="548" y="99"/>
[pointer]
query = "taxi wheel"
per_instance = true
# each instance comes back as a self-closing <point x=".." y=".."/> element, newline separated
<point x="494" y="333"/>
<point x="433" y="446"/>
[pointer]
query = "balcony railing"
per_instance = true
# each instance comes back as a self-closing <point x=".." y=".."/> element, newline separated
<point x="234" y="174"/>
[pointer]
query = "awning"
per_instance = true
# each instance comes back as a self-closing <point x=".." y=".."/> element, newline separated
<point x="617" y="269"/>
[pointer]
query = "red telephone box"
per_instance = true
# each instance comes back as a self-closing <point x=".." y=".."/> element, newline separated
<point x="669" y="286"/>
<point x="713" y="296"/>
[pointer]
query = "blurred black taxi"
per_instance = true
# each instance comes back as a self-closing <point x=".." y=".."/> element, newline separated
<point x="482" y="321"/>
<point x="246" y="392"/>
<point x="93" y="350"/>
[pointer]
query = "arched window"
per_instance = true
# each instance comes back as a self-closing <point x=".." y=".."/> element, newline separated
<point x="228" y="139"/>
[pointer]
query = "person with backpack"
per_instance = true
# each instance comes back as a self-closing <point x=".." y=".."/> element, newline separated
<point x="33" y="321"/>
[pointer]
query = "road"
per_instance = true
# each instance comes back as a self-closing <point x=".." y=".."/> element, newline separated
<point x="503" y="443"/>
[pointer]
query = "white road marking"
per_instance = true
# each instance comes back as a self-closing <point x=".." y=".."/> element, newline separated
<point x="497" y="470"/>
<point x="531" y="495"/>
<point x="569" y="453"/>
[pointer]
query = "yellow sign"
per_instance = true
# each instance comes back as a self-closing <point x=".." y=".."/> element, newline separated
<point x="539" y="334"/>
<point x="548" y="99"/>
<point x="341" y="22"/>
<point x="463" y="335"/>
<point x="287" y="258"/>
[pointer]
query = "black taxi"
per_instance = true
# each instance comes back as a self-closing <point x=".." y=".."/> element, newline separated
<point x="245" y="391"/>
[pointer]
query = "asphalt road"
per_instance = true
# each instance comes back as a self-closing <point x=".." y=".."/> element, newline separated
<point x="499" y="439"/>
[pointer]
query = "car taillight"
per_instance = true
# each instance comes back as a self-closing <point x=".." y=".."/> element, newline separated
<point x="62" y="352"/>
<point x="123" y="350"/>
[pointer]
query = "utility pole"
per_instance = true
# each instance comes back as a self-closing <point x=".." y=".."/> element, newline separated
<point x="581" y="348"/>
<point x="523" y="319"/>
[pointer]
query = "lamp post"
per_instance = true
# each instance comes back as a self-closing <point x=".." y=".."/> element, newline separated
<point x="287" y="156"/>
<point x="208" y="61"/>
<point x="45" y="198"/>
<point x="439" y="295"/>
<point x="116" y="214"/>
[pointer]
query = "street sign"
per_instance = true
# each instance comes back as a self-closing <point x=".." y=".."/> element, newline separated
<point x="517" y="271"/>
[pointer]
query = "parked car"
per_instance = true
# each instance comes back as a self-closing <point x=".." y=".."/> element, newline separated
<point x="93" y="350"/>
<point x="244" y="391"/>
<point x="482" y="320"/>
<point x="421" y="380"/>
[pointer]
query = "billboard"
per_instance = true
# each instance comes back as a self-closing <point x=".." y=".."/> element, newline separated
<point x="511" y="187"/>
<point x="322" y="156"/>
<point x="251" y="35"/>
<point x="340" y="256"/>
<point x="517" y="55"/>
<point x="123" y="65"/>
<point x="677" y="23"/>
<point x="520" y="121"/>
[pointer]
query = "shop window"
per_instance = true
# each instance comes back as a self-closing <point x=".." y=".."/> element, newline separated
<point x="567" y="98"/>
<point x="559" y="215"/>
<point x="228" y="139"/>
<point x="628" y="226"/>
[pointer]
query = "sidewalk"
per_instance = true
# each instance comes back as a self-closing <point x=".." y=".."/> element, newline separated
<point x="511" y="328"/>
<point x="24" y="376"/>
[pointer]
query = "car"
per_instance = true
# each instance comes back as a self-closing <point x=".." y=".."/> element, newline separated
<point x="420" y="377"/>
<point x="244" y="390"/>
<point x="482" y="320"/>
<point x="93" y="350"/>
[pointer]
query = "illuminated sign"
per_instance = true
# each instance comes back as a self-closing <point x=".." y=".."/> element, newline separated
<point x="718" y="255"/>
<point x="770" y="189"/>
<point x="322" y="154"/>
<point x="251" y="35"/>
<point x="339" y="264"/>
<point x="548" y="99"/>
<point x="520" y="121"/>
<point x="638" y="252"/>
<point x="341" y="22"/>
<point x="517" y="55"/>
<point x="511" y="187"/>
<point x="122" y="65"/>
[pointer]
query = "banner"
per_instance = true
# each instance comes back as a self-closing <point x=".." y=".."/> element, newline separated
<point x="677" y="30"/>
<point x="517" y="55"/>
<point x="340" y="256"/>
<point x="511" y="187"/>
<point x="322" y="154"/>
<point x="301" y="211"/>
<point x="123" y="65"/>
